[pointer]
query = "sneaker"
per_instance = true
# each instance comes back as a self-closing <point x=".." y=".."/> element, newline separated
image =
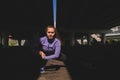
<point x="42" y="70"/>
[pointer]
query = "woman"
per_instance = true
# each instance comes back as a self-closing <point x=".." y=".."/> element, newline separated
<point x="50" y="46"/>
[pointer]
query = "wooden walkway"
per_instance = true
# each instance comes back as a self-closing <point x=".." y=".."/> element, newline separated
<point x="55" y="70"/>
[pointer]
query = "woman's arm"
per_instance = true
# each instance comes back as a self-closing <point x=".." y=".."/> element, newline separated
<point x="57" y="52"/>
<point x="42" y="54"/>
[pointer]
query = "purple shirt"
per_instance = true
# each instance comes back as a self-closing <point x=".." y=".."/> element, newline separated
<point x="52" y="50"/>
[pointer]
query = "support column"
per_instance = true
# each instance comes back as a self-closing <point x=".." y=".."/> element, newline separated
<point x="103" y="38"/>
<point x="89" y="39"/>
<point x="5" y="39"/>
<point x="72" y="39"/>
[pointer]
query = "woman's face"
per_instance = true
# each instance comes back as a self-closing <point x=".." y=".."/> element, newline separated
<point x="50" y="33"/>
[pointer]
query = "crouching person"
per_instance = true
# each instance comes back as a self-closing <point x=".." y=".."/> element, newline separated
<point x="50" y="47"/>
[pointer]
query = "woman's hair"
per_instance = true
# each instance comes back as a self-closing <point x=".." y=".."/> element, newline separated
<point x="56" y="32"/>
<point x="50" y="26"/>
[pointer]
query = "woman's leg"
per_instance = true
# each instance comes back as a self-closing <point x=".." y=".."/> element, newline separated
<point x="42" y="65"/>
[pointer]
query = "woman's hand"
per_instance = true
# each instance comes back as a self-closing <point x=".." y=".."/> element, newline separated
<point x="42" y="54"/>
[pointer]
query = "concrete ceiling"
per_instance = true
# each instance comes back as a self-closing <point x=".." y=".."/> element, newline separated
<point x="88" y="15"/>
<point x="72" y="15"/>
<point x="25" y="15"/>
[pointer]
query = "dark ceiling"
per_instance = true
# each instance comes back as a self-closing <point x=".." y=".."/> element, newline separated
<point x="25" y="15"/>
<point x="88" y="14"/>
